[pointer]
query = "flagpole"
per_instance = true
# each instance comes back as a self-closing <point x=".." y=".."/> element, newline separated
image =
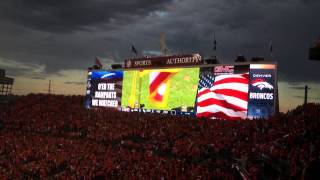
<point x="271" y="50"/>
<point x="214" y="44"/>
<point x="134" y="50"/>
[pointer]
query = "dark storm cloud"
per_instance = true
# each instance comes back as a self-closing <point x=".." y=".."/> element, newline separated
<point x="69" y="34"/>
<point x="71" y="15"/>
<point x="66" y="34"/>
<point x="247" y="27"/>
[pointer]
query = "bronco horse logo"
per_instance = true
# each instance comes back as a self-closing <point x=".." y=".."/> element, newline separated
<point x="261" y="84"/>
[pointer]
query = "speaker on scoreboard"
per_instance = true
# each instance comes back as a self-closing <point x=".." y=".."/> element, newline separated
<point x="257" y="59"/>
<point x="212" y="60"/>
<point x="240" y="58"/>
<point x="116" y="66"/>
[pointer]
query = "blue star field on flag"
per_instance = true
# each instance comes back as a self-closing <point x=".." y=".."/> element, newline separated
<point x="206" y="80"/>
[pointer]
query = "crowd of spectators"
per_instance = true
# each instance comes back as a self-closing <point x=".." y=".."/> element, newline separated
<point x="52" y="136"/>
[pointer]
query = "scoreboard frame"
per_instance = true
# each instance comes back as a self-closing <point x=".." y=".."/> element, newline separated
<point x="275" y="104"/>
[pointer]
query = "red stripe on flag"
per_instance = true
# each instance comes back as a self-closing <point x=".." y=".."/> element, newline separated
<point x="231" y="80"/>
<point x="231" y="92"/>
<point x="227" y="92"/>
<point x="205" y="91"/>
<point x="161" y="77"/>
<point x="246" y="75"/>
<point x="157" y="97"/>
<point x="222" y="103"/>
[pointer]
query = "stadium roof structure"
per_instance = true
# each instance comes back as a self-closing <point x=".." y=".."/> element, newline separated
<point x="5" y="83"/>
<point x="314" y="51"/>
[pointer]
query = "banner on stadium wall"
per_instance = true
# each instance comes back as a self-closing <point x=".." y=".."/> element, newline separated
<point x="164" y="61"/>
<point x="262" y="90"/>
<point x="104" y="88"/>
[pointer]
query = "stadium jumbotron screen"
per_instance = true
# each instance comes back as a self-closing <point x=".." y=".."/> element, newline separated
<point x="236" y="91"/>
<point x="104" y="89"/>
<point x="164" y="89"/>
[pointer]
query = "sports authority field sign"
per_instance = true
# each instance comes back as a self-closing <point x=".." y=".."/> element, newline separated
<point x="163" y="61"/>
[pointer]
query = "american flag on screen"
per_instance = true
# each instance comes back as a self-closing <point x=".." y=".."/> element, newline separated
<point x="158" y="86"/>
<point x="223" y="96"/>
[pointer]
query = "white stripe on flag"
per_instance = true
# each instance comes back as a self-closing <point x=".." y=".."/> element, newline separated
<point x="234" y="86"/>
<point x="153" y="75"/>
<point x="216" y="108"/>
<point x="233" y="100"/>
<point x="220" y="77"/>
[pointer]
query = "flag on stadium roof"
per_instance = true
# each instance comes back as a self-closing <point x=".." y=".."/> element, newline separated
<point x="270" y="47"/>
<point x="134" y="50"/>
<point x="98" y="62"/>
<point x="214" y="41"/>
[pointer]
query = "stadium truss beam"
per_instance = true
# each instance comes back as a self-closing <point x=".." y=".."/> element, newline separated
<point x="6" y="84"/>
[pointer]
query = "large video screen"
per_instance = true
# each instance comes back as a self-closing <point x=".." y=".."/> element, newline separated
<point x="166" y="89"/>
<point x="237" y="92"/>
<point x="262" y="91"/>
<point x="218" y="91"/>
<point x="104" y="89"/>
<point x="223" y="92"/>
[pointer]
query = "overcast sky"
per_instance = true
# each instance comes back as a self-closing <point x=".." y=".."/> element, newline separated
<point x="45" y="39"/>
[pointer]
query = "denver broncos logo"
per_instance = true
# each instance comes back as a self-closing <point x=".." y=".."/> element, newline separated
<point x="261" y="84"/>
